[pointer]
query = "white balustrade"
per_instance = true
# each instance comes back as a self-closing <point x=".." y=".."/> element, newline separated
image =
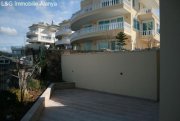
<point x="101" y="28"/>
<point x="147" y="32"/>
<point x="146" y="10"/>
<point x="102" y="4"/>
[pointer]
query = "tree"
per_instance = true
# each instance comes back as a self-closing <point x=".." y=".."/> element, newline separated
<point x="121" y="37"/>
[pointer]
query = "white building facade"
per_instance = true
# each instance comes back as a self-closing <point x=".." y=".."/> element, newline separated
<point x="41" y="34"/>
<point x="98" y="22"/>
<point x="63" y="35"/>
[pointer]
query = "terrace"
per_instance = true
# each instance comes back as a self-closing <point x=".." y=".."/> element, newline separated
<point x="64" y="102"/>
<point x="86" y="105"/>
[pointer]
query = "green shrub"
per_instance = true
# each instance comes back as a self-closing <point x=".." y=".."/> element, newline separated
<point x="33" y="84"/>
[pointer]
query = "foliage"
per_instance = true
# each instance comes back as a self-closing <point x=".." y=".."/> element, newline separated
<point x="33" y="84"/>
<point x="8" y="102"/>
<point x="121" y="37"/>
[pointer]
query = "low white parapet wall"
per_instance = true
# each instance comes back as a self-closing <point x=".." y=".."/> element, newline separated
<point x="36" y="110"/>
<point x="126" y="73"/>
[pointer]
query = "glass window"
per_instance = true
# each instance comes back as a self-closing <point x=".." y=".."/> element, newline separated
<point x="136" y="24"/>
<point x="113" y="45"/>
<point x="133" y="3"/>
<point x="144" y="26"/>
<point x="87" y="46"/>
<point x="1" y="61"/>
<point x="148" y="25"/>
<point x="103" y="45"/>
<point x="120" y="19"/>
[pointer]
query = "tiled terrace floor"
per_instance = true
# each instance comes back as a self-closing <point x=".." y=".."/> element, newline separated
<point x="84" y="105"/>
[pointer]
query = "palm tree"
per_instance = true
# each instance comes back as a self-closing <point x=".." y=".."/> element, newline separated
<point x="121" y="37"/>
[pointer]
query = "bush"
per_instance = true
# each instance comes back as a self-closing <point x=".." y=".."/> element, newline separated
<point x="33" y="84"/>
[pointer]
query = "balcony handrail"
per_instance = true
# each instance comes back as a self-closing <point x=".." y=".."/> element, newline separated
<point x="147" y="10"/>
<point x="147" y="32"/>
<point x="102" y="4"/>
<point x="104" y="27"/>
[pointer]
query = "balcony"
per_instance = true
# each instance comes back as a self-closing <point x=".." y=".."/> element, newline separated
<point x="100" y="31"/>
<point x="32" y="34"/>
<point x="96" y="11"/>
<point x="150" y="3"/>
<point x="63" y="41"/>
<point x="63" y="32"/>
<point x="150" y="34"/>
<point x="35" y="39"/>
<point x="146" y="14"/>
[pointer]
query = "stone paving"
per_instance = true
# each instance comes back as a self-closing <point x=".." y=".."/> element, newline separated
<point x="85" y="105"/>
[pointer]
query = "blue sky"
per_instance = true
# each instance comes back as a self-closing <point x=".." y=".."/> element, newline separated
<point x="15" y="20"/>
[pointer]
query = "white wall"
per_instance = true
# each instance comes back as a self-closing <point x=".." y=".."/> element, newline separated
<point x="101" y="71"/>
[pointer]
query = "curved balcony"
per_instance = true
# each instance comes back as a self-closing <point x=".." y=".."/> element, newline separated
<point x="151" y="3"/>
<point x="96" y="11"/>
<point x="64" y="41"/>
<point x="101" y="31"/>
<point x="150" y="34"/>
<point x="35" y="39"/>
<point x="32" y="34"/>
<point x="63" y="32"/>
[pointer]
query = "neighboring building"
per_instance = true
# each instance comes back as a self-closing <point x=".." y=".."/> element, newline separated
<point x="6" y="66"/>
<point x="98" y="22"/>
<point x="18" y="51"/>
<point x="63" y="35"/>
<point x="41" y="34"/>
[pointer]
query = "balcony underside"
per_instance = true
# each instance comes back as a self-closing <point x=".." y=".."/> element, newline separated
<point x="62" y="33"/>
<point x="148" y="16"/>
<point x="108" y="12"/>
<point x="150" y="3"/>
<point x="42" y="41"/>
<point x="155" y="38"/>
<point x="31" y="35"/>
<point x="111" y="34"/>
<point x="62" y="42"/>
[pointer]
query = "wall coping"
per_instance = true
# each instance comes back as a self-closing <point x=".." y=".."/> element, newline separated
<point x="35" y="111"/>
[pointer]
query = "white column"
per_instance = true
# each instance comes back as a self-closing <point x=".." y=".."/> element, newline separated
<point x="133" y="44"/>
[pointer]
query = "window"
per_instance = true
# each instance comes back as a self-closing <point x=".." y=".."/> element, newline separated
<point x="103" y="45"/>
<point x="133" y="3"/>
<point x="147" y="25"/>
<point x="1" y="61"/>
<point x="7" y="62"/>
<point x="158" y="28"/>
<point x="104" y="25"/>
<point x="46" y="37"/>
<point x="136" y="24"/>
<point x="120" y="19"/>
<point x="87" y="46"/>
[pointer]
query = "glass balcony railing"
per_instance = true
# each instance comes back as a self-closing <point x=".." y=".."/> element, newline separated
<point x="102" y="4"/>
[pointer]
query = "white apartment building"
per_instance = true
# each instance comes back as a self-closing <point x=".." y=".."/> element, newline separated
<point x="98" y="22"/>
<point x="63" y="35"/>
<point x="41" y="34"/>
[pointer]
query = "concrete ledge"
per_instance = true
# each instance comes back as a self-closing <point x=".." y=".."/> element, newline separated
<point x="36" y="110"/>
